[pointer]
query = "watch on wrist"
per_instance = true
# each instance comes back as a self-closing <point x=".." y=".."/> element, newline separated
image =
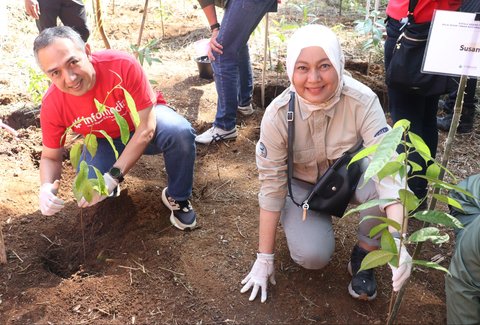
<point x="214" y="26"/>
<point x="116" y="174"/>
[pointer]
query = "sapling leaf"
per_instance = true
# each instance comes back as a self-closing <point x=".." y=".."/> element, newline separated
<point x="368" y="204"/>
<point x="100" y="107"/>
<point x="384" y="152"/>
<point x="419" y="144"/>
<point x="390" y="168"/>
<point x="123" y="125"/>
<point x="388" y="243"/>
<point x="408" y="199"/>
<point x="75" y="154"/>
<point x="432" y="265"/>
<point x="132" y="107"/>
<point x="375" y="230"/>
<point x="415" y="167"/>
<point x="448" y="200"/>
<point x="91" y="144"/>
<point x="444" y="185"/>
<point x="433" y="171"/>
<point x="428" y="233"/>
<point x="100" y="186"/>
<point x="82" y="188"/>
<point x="405" y="124"/>
<point x="110" y="140"/>
<point x="390" y="222"/>
<point x="363" y="153"/>
<point x="376" y="258"/>
<point x="438" y="217"/>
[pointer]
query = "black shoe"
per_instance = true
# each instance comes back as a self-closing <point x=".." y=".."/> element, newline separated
<point x="363" y="285"/>
<point x="443" y="123"/>
<point x="183" y="217"/>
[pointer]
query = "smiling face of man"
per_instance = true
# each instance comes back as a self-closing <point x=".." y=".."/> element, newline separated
<point x="67" y="66"/>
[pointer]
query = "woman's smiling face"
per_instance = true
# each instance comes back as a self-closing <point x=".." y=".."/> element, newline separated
<point x="314" y="77"/>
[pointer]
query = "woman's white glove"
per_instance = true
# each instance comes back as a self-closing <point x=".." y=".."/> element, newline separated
<point x="110" y="183"/>
<point x="401" y="273"/>
<point x="49" y="202"/>
<point x="262" y="270"/>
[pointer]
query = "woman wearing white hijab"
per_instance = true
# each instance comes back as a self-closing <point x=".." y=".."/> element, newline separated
<point x="332" y="113"/>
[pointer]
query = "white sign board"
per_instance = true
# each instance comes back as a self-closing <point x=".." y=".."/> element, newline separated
<point x="453" y="46"/>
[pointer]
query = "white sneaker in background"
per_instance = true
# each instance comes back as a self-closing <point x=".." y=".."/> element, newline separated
<point x="215" y="134"/>
<point x="245" y="110"/>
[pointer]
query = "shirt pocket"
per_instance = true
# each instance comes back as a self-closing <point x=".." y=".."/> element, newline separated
<point x="305" y="164"/>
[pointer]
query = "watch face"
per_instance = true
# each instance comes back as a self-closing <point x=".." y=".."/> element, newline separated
<point x="115" y="172"/>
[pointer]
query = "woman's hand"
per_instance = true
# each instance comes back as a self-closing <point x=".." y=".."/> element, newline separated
<point x="262" y="271"/>
<point x="401" y="273"/>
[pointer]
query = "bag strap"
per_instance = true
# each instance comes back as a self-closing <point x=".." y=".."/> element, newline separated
<point x="291" y="136"/>
<point x="411" y="7"/>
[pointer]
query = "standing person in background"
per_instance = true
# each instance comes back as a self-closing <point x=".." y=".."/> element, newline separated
<point x="71" y="13"/>
<point x="420" y="110"/>
<point x="469" y="100"/>
<point x="231" y="62"/>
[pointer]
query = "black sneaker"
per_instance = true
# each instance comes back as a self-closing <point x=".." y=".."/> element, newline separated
<point x="363" y="285"/>
<point x="182" y="216"/>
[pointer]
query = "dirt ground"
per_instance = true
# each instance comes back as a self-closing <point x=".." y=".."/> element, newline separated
<point x="121" y="262"/>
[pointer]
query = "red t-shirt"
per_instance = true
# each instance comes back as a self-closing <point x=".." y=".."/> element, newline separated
<point x="423" y="12"/>
<point x="60" y="110"/>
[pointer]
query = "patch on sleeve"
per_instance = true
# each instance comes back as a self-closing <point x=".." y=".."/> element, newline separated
<point x="381" y="131"/>
<point x="262" y="150"/>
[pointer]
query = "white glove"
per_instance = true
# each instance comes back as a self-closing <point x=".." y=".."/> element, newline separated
<point x="49" y="202"/>
<point x="262" y="270"/>
<point x="110" y="183"/>
<point x="401" y="273"/>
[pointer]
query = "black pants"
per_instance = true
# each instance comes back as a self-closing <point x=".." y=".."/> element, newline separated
<point x="71" y="13"/>
<point x="420" y="110"/>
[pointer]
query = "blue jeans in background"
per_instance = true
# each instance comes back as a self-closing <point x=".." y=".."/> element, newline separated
<point x="232" y="69"/>
<point x="174" y="137"/>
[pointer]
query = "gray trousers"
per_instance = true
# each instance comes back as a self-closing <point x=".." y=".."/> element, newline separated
<point x="71" y="13"/>
<point x="312" y="242"/>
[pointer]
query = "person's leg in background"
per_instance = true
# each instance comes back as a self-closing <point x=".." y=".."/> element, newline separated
<point x="240" y="19"/>
<point x="49" y="12"/>
<point x="72" y="13"/>
<point x="245" y="82"/>
<point x="421" y="111"/>
<point x="468" y="109"/>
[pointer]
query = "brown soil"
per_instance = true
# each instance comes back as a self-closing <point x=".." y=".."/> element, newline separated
<point x="121" y="262"/>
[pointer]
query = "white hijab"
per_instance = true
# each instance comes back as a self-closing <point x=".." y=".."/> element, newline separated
<point x="324" y="37"/>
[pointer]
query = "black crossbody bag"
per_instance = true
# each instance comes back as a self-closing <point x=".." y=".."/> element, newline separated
<point x="334" y="189"/>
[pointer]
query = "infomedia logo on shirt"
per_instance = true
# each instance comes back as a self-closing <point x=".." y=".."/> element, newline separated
<point x="97" y="118"/>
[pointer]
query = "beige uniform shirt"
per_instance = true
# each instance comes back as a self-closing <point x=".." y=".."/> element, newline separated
<point x="321" y="136"/>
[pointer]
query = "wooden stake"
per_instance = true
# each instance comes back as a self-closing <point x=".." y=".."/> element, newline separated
<point x="265" y="47"/>
<point x="3" y="252"/>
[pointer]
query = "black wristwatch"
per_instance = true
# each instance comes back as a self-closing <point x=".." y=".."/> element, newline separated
<point x="116" y="174"/>
<point x="214" y="26"/>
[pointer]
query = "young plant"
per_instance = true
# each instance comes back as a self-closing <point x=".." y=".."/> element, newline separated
<point x="37" y="85"/>
<point x="83" y="186"/>
<point x="382" y="165"/>
<point x="145" y="53"/>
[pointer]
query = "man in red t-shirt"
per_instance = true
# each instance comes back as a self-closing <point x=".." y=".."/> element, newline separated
<point x="79" y="78"/>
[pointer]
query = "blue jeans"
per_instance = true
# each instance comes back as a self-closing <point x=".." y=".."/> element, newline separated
<point x="420" y="110"/>
<point x="174" y="137"/>
<point x="232" y="69"/>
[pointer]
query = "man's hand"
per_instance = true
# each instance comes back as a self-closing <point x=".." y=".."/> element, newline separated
<point x="110" y="183"/>
<point x="214" y="45"/>
<point x="401" y="273"/>
<point x="32" y="8"/>
<point x="262" y="270"/>
<point x="49" y="202"/>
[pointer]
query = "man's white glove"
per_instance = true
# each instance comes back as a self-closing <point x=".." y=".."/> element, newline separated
<point x="401" y="273"/>
<point x="262" y="270"/>
<point x="49" y="202"/>
<point x="110" y="183"/>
